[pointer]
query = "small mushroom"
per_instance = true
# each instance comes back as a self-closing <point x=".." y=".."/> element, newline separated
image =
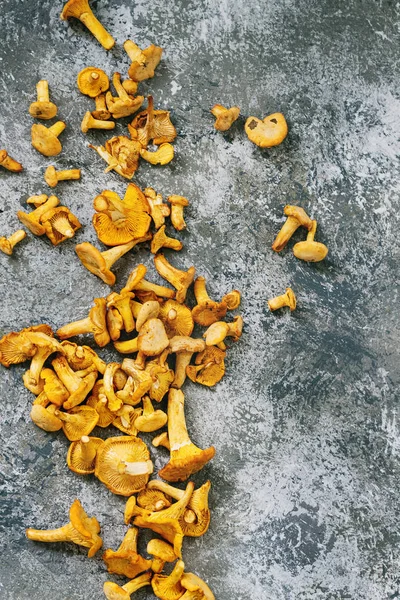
<point x="80" y="9"/>
<point x="151" y="419"/>
<point x="59" y="224"/>
<point x="122" y="303"/>
<point x="37" y="200"/>
<point x="45" y="418"/>
<point x="45" y="346"/>
<point x="116" y="592"/>
<point x="100" y="263"/>
<point x="82" y="357"/>
<point x="99" y="402"/>
<point x="162" y="552"/>
<point x="152" y="125"/>
<point x="168" y="587"/>
<point x="123" y="464"/>
<point x="218" y="331"/>
<point x="152" y="339"/>
<point x="43" y="108"/>
<point x="148" y="310"/>
<point x="81" y="530"/>
<point x="153" y="500"/>
<point x="15" y="348"/>
<point x="191" y="582"/>
<point x="158" y="209"/>
<point x="225" y="117"/>
<point x="287" y="299"/>
<point x="52" y="177"/>
<point x="82" y="453"/>
<point x="232" y="299"/>
<point x="206" y="311"/>
<point x="45" y="139"/>
<point x="92" y="81"/>
<point x="9" y="163"/>
<point x="178" y="203"/>
<point x="181" y="280"/>
<point x="101" y="112"/>
<point x="209" y="368"/>
<point x="271" y="131"/>
<point x="144" y="62"/>
<point x="80" y="421"/>
<point x="162" y="156"/>
<point x="140" y="379"/>
<point x="162" y="377"/>
<point x="126" y="419"/>
<point x="177" y="319"/>
<point x="161" y="440"/>
<point x="124" y="105"/>
<point x="310" y="250"/>
<point x="89" y="122"/>
<point x="126" y="560"/>
<point x="184" y="348"/>
<point x="95" y="323"/>
<point x="162" y="240"/>
<point x="7" y="245"/>
<point x="185" y="457"/>
<point x="32" y="220"/>
<point x="296" y="217"/>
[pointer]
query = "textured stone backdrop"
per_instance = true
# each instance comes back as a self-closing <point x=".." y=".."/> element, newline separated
<point x="306" y="477"/>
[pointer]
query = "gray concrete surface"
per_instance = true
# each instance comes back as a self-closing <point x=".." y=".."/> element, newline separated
<point x="306" y="477"/>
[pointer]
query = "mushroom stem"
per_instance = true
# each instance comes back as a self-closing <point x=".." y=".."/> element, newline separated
<point x="181" y="280"/>
<point x="312" y="232"/>
<point x="159" y="290"/>
<point x="177" y="430"/>
<point x="135" y="468"/>
<point x="101" y="112"/>
<point x="57" y="128"/>
<point x="68" y="174"/>
<point x="183" y="359"/>
<point x="97" y="29"/>
<point x="42" y="88"/>
<point x="134" y="52"/>
<point x="75" y="328"/>
<point x="289" y="227"/>
<point x="122" y="93"/>
<point x="113" y="254"/>
<point x="7" y="244"/>
<point x="200" y="290"/>
<point x="9" y="163"/>
<point x="137" y="583"/>
<point x="93" y="123"/>
<point x="88" y="450"/>
<point x="166" y="488"/>
<point x="62" y="534"/>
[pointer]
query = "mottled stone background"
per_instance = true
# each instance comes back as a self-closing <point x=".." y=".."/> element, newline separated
<point x="305" y="496"/>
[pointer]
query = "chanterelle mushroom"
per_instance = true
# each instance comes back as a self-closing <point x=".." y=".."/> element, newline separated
<point x="191" y="582"/>
<point x="181" y="280"/>
<point x="95" y="323"/>
<point x="151" y="419"/>
<point x="80" y="9"/>
<point x="152" y="125"/>
<point x="121" y="154"/>
<point x="185" y="457"/>
<point x="33" y="219"/>
<point x="206" y="311"/>
<point x="184" y="348"/>
<point x="7" y="245"/>
<point x="9" y="163"/>
<point x="162" y="552"/>
<point x="80" y="421"/>
<point x="52" y="177"/>
<point x="209" y="368"/>
<point x="162" y="156"/>
<point x="82" y="453"/>
<point x="45" y="139"/>
<point x="168" y="587"/>
<point x="287" y="299"/>
<point x="89" y="122"/>
<point x="81" y="530"/>
<point x="92" y="81"/>
<point x="100" y="263"/>
<point x="271" y="131"/>
<point x="225" y="117"/>
<point x="296" y="217"/>
<point x="144" y="62"/>
<point x="218" y="331"/>
<point x="124" y="105"/>
<point x="177" y="319"/>
<point x="152" y="339"/>
<point x="126" y="560"/>
<point x="310" y="250"/>
<point x="60" y="224"/>
<point x="101" y="112"/>
<point x="178" y="203"/>
<point x="115" y="592"/>
<point x="43" y="108"/>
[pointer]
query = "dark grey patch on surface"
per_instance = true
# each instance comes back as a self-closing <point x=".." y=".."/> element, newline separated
<point x="306" y="477"/>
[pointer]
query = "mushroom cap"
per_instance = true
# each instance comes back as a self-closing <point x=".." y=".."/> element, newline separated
<point x="50" y="176"/>
<point x="44" y="140"/>
<point x="121" y="107"/>
<point x="225" y="117"/>
<point x="92" y="259"/>
<point x="299" y="214"/>
<point x="15" y="348"/>
<point x="76" y="459"/>
<point x="148" y="310"/>
<point x="162" y="156"/>
<point x="97" y="315"/>
<point x="162" y="378"/>
<point x="167" y="589"/>
<point x="152" y="422"/>
<point x="185" y="461"/>
<point x="177" y="318"/>
<point x="80" y="357"/>
<point x="45" y="419"/>
<point x="310" y="251"/>
<point x="214" y="369"/>
<point x="88" y="527"/>
<point x="114" y="233"/>
<point x="135" y="199"/>
<point x="271" y="131"/>
<point x="161" y="130"/>
<point x="186" y="344"/>
<point x="190" y="581"/>
<point x="29" y="221"/>
<point x="126" y="421"/>
<point x="126" y="561"/>
<point x="84" y="425"/>
<point x="178" y="200"/>
<point x="126" y="152"/>
<point x="43" y="110"/>
<point x="209" y="312"/>
<point x="139" y="72"/>
<point x="152" y="338"/>
<point x="216" y="333"/>
<point x="92" y="81"/>
<point x="61" y="214"/>
<point x="154" y="500"/>
<point x="111" y="454"/>
<point x="232" y="299"/>
<point x="160" y="548"/>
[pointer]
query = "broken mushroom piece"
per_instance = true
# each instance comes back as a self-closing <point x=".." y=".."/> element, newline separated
<point x="206" y="311"/>
<point x="162" y="156"/>
<point x="209" y="368"/>
<point x="33" y="219"/>
<point x="152" y="339"/>
<point x="92" y="81"/>
<point x="178" y="203"/>
<point x="148" y="310"/>
<point x="310" y="250"/>
<point x="296" y="217"/>
<point x="161" y="440"/>
<point x="139" y="380"/>
<point x="124" y="105"/>
<point x="152" y="125"/>
<point x="192" y="582"/>
<point x="181" y="280"/>
<point x="89" y="122"/>
<point x="101" y="112"/>
<point x="116" y="592"/>
<point x="121" y="154"/>
<point x="95" y="323"/>
<point x="45" y="139"/>
<point x="82" y="454"/>
<point x="60" y="224"/>
<point x="158" y="209"/>
<point x="126" y="560"/>
<point x="225" y="117"/>
<point x="123" y="464"/>
<point x="43" y="108"/>
<point x="52" y="177"/>
<point x="80" y="421"/>
<point x="218" y="331"/>
<point x="144" y="62"/>
<point x="271" y="131"/>
<point x="80" y="9"/>
<point x="81" y="530"/>
<point x="7" y="245"/>
<point x="9" y="163"/>
<point x="151" y="419"/>
<point x="125" y="421"/>
<point x="185" y="457"/>
<point x="287" y="299"/>
<point x="100" y="263"/>
<point x="162" y="552"/>
<point x="168" y="587"/>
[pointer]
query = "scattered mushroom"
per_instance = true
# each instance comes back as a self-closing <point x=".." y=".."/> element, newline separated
<point x="52" y="177"/>
<point x="45" y="139"/>
<point x="116" y="592"/>
<point x="7" y="245"/>
<point x="121" y="154"/>
<point x="89" y="122"/>
<point x="9" y="163"/>
<point x="37" y="200"/>
<point x="92" y="81"/>
<point x="232" y="299"/>
<point x="271" y="131"/>
<point x="152" y="125"/>
<point x="178" y="203"/>
<point x="82" y="454"/>
<point x="181" y="280"/>
<point x="59" y="224"/>
<point x="43" y="108"/>
<point x="95" y="323"/>
<point x="209" y="368"/>
<point x="161" y="440"/>
<point x="296" y="217"/>
<point x="126" y="560"/>
<point x="45" y="418"/>
<point x="287" y="299"/>
<point x="225" y="117"/>
<point x="81" y="530"/>
<point x="162" y="240"/>
<point x="310" y="250"/>
<point x="80" y="9"/>
<point x="218" y="331"/>
<point x="32" y="220"/>
<point x="124" y="105"/>
<point x="144" y="62"/>
<point x="100" y="263"/>
<point x="162" y="156"/>
<point x="158" y="209"/>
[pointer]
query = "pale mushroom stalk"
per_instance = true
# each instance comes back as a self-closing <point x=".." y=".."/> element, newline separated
<point x="135" y="468"/>
<point x="62" y="534"/>
<point x="181" y="280"/>
<point x="52" y="177"/>
<point x="57" y="128"/>
<point x="178" y="203"/>
<point x="159" y="290"/>
<point x="75" y="328"/>
<point x="89" y="122"/>
<point x="7" y="244"/>
<point x="87" y="450"/>
<point x="42" y="88"/>
<point x="101" y="111"/>
<point x="296" y="217"/>
<point x="287" y="299"/>
<point x="182" y="361"/>
<point x="134" y="52"/>
<point x="81" y="10"/>
<point x="9" y="163"/>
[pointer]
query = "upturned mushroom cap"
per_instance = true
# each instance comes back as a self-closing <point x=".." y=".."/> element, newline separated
<point x="79" y="421"/>
<point x="92" y="81"/>
<point x="212" y="367"/>
<point x="190" y="581"/>
<point x="168" y="587"/>
<point x="153" y="125"/>
<point x="125" y="421"/>
<point x="15" y="348"/>
<point x="123" y="464"/>
<point x="82" y="454"/>
<point x="153" y="501"/>
<point x="135" y="225"/>
<point x="271" y="131"/>
<point x="45" y="141"/>
<point x="232" y="299"/>
<point x="82" y="357"/>
<point x="45" y="418"/>
<point x="152" y="339"/>
<point x="177" y="319"/>
<point x="126" y="560"/>
<point x="144" y="68"/>
<point x="225" y="117"/>
<point x="60" y="224"/>
<point x="162" y="377"/>
<point x="310" y="250"/>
